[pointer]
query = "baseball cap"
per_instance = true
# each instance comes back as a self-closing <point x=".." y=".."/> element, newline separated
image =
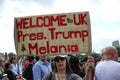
<point x="60" y="57"/>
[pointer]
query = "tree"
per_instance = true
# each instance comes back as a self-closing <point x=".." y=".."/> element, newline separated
<point x="118" y="48"/>
<point x="95" y="55"/>
<point x="81" y="56"/>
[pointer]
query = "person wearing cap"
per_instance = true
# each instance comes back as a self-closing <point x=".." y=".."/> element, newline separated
<point x="62" y="70"/>
<point x="41" y="68"/>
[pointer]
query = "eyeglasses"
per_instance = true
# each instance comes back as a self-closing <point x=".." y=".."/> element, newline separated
<point x="57" y="59"/>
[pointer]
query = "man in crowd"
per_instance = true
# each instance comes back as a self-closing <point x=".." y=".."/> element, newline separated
<point x="40" y="68"/>
<point x="108" y="68"/>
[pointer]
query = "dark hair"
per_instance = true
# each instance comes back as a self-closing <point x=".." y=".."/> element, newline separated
<point x="12" y="58"/>
<point x="68" y="68"/>
<point x="85" y="59"/>
<point x="37" y="58"/>
<point x="31" y="58"/>
<point x="74" y="63"/>
<point x="7" y="65"/>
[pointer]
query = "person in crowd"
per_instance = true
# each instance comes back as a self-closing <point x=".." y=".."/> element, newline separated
<point x="20" y="77"/>
<point x="6" y="57"/>
<point x="81" y="66"/>
<point x="62" y="70"/>
<point x="41" y="68"/>
<point x="37" y="58"/>
<point x="75" y="66"/>
<point x="1" y="66"/>
<point x="108" y="68"/>
<point x="28" y="74"/>
<point x="8" y="71"/>
<point x="3" y="77"/>
<point x="89" y="66"/>
<point x="26" y="64"/>
<point x="86" y="71"/>
<point x="13" y="61"/>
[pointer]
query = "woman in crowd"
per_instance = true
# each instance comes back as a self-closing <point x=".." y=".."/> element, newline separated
<point x="75" y="66"/>
<point x="8" y="71"/>
<point x="1" y="66"/>
<point x="62" y="70"/>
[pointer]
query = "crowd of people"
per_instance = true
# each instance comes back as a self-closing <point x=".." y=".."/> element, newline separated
<point x="62" y="67"/>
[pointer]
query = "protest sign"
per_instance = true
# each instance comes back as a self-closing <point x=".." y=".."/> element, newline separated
<point x="53" y="34"/>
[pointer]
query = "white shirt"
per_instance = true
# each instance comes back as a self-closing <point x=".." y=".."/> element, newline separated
<point x="107" y="70"/>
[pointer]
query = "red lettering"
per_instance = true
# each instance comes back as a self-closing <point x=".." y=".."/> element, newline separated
<point x="33" y="47"/>
<point x="84" y="34"/>
<point x="80" y="19"/>
<point x="47" y="47"/>
<point x="54" y="19"/>
<point x="25" y="36"/>
<point x="47" y="21"/>
<point x="62" y="48"/>
<point x="31" y="36"/>
<point x="19" y="35"/>
<point x="68" y="35"/>
<point x="62" y="20"/>
<point x="52" y="33"/>
<point x="53" y="49"/>
<point x="42" y="50"/>
<point x="32" y="23"/>
<point x="39" y="21"/>
<point x="18" y="24"/>
<point x="74" y="48"/>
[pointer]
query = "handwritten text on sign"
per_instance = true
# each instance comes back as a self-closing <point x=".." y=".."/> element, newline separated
<point x="53" y="34"/>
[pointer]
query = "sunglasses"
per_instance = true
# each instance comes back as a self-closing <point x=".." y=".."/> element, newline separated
<point x="57" y="59"/>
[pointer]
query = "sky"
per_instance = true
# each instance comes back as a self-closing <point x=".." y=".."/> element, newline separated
<point x="104" y="18"/>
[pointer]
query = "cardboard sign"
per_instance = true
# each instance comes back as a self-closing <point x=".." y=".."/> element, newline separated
<point x="53" y="34"/>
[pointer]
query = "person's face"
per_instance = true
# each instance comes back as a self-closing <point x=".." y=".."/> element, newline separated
<point x="43" y="58"/>
<point x="60" y="63"/>
<point x="14" y="61"/>
<point x="10" y="67"/>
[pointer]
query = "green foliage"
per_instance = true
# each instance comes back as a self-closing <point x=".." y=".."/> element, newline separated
<point x="95" y="55"/>
<point x="81" y="56"/>
<point x="50" y="57"/>
<point x="118" y="48"/>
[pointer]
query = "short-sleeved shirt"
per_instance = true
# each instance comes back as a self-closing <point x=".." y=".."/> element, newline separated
<point x="107" y="70"/>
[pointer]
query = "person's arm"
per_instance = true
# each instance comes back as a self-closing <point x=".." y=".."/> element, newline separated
<point x="36" y="72"/>
<point x="19" y="77"/>
<point x="89" y="68"/>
